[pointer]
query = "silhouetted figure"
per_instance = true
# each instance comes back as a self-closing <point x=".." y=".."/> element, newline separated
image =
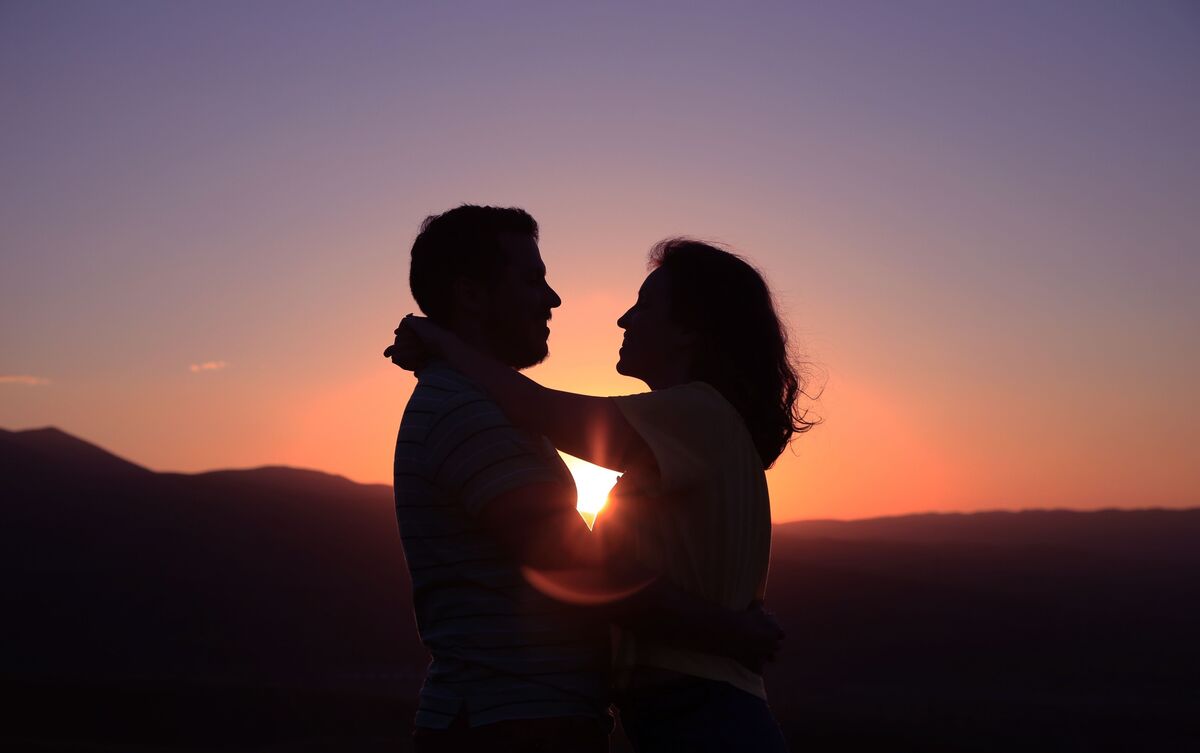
<point x="479" y="499"/>
<point x="693" y="502"/>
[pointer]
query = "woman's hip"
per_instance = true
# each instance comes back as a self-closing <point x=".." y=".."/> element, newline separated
<point x="697" y="714"/>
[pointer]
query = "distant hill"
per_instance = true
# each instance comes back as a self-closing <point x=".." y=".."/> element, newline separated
<point x="37" y="455"/>
<point x="1158" y="534"/>
<point x="271" y="607"/>
<point x="119" y="572"/>
<point x="1036" y="630"/>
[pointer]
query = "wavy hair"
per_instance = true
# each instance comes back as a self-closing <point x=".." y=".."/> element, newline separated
<point x="742" y="349"/>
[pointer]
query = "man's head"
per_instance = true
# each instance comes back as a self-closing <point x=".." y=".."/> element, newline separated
<point x="478" y="271"/>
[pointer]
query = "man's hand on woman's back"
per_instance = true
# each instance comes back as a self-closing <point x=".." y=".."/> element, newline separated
<point x="759" y="637"/>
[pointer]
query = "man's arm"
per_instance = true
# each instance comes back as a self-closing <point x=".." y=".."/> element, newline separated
<point x="541" y="530"/>
<point x="752" y="636"/>
<point x="539" y="527"/>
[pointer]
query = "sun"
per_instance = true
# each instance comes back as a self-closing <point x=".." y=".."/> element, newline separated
<point x="593" y="482"/>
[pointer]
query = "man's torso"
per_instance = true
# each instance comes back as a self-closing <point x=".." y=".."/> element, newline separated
<point x="501" y="650"/>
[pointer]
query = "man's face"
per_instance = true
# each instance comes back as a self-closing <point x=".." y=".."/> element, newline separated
<point x="519" y="305"/>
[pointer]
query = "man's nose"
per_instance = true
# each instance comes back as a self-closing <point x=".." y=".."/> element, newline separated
<point x="555" y="301"/>
<point x="624" y="320"/>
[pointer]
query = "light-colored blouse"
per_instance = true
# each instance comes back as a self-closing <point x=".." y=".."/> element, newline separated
<point x="699" y="514"/>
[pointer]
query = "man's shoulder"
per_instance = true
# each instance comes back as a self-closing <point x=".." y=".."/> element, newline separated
<point x="440" y="386"/>
<point x="449" y="405"/>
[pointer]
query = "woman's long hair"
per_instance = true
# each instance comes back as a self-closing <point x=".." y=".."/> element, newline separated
<point x="742" y="349"/>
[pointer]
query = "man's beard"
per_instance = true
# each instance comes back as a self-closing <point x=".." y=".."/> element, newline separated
<point x="515" y="346"/>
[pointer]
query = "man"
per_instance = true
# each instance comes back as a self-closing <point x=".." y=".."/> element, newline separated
<point x="477" y="499"/>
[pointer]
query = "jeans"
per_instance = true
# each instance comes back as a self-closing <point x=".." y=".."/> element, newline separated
<point x="697" y="715"/>
<point x="567" y="734"/>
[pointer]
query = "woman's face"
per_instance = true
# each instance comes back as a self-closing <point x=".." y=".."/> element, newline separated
<point x="655" y="349"/>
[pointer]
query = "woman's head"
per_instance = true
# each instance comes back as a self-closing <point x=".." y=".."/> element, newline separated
<point x="704" y="314"/>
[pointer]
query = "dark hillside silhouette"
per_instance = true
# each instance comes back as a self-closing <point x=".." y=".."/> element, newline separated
<point x="269" y="608"/>
<point x="217" y="598"/>
<point x="1041" y="630"/>
<point x="42" y="453"/>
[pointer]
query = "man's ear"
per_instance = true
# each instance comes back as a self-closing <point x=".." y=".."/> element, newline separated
<point x="689" y="339"/>
<point x="470" y="296"/>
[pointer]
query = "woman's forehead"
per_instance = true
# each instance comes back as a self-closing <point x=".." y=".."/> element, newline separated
<point x="655" y="284"/>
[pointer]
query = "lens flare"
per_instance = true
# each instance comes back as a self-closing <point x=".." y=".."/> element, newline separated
<point x="579" y="586"/>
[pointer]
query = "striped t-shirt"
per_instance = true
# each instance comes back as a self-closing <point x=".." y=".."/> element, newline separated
<point x="501" y="650"/>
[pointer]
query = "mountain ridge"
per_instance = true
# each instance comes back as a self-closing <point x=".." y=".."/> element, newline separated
<point x="49" y="449"/>
<point x="62" y="446"/>
<point x="204" y="604"/>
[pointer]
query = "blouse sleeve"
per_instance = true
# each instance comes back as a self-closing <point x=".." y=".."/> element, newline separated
<point x="685" y="427"/>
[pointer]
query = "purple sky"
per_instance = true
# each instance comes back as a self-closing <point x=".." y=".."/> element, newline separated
<point x="981" y="219"/>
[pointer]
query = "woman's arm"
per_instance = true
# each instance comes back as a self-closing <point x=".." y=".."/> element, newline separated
<point x="591" y="428"/>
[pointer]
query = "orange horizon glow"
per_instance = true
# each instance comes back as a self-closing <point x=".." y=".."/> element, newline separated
<point x="980" y="229"/>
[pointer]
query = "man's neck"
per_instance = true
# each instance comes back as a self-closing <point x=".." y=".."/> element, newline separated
<point x="472" y="333"/>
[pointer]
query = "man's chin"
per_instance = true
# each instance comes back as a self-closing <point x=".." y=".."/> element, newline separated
<point x="529" y="358"/>
<point x="517" y="348"/>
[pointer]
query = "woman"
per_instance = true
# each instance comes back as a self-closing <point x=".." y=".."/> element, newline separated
<point x="693" y="503"/>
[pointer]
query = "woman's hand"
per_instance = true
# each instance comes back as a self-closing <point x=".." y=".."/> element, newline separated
<point x="417" y="341"/>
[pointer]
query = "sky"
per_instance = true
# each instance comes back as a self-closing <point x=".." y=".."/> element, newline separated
<point x="979" y="219"/>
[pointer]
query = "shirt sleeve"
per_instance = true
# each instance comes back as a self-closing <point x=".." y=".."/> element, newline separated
<point x="477" y="455"/>
<point x="684" y="427"/>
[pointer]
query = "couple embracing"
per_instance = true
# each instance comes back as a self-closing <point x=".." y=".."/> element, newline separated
<point x="536" y="624"/>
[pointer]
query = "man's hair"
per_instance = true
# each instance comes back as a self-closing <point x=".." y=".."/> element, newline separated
<point x="463" y="242"/>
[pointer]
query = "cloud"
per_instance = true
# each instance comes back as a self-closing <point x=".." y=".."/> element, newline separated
<point x="207" y="366"/>
<point x="31" y="381"/>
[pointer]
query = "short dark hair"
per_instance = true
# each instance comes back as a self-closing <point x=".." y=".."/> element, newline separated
<point x="463" y="242"/>
<point x="743" y="347"/>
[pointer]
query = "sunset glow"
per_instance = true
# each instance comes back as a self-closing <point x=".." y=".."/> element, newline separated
<point x="593" y="484"/>
<point x="979" y="221"/>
